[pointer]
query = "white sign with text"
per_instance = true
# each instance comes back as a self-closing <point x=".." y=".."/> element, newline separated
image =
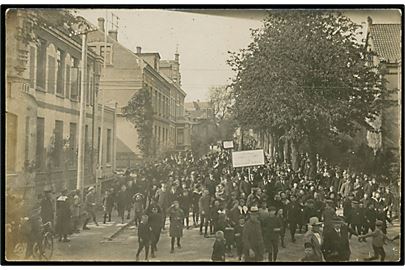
<point x="247" y="158"/>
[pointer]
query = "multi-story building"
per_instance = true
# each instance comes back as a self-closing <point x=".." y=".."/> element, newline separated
<point x="127" y="72"/>
<point x="385" y="41"/>
<point x="43" y="105"/>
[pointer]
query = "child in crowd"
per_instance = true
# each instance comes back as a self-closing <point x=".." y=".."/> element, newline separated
<point x="379" y="238"/>
<point x="218" y="252"/>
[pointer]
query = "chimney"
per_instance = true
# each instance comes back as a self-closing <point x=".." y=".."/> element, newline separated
<point x="138" y="50"/>
<point x="101" y="24"/>
<point x="369" y="20"/>
<point x="176" y="57"/>
<point x="113" y="34"/>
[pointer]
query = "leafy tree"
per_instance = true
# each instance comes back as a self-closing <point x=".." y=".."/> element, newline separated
<point x="305" y="77"/>
<point x="139" y="111"/>
<point x="221" y="100"/>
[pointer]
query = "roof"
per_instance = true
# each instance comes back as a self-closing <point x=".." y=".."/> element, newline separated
<point x="387" y="41"/>
<point x="191" y="106"/>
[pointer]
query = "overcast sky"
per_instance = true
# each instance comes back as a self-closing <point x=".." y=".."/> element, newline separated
<point x="203" y="40"/>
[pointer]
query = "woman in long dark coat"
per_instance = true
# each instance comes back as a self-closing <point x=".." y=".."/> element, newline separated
<point x="176" y="215"/>
<point x="63" y="217"/>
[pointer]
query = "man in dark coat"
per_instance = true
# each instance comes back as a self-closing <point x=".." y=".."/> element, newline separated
<point x="122" y="201"/>
<point x="47" y="208"/>
<point x="63" y="217"/>
<point x="204" y="207"/>
<point x="271" y="233"/>
<point x="294" y="213"/>
<point x="144" y="237"/>
<point x="176" y="224"/>
<point x="155" y="222"/>
<point x="253" y="244"/>
<point x="335" y="245"/>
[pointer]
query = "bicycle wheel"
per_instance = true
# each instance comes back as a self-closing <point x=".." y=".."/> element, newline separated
<point x="47" y="246"/>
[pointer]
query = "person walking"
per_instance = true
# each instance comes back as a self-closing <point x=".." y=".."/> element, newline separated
<point x="176" y="216"/>
<point x="253" y="244"/>
<point x="122" y="201"/>
<point x="90" y="206"/>
<point x="271" y="233"/>
<point x="218" y="250"/>
<point x="144" y="237"/>
<point x="314" y="238"/>
<point x="47" y="211"/>
<point x="108" y="205"/>
<point x="155" y="222"/>
<point x="63" y="217"/>
<point x="336" y="247"/>
<point x="76" y="214"/>
<point x="379" y="238"/>
<point x="293" y="215"/>
<point x="204" y="207"/>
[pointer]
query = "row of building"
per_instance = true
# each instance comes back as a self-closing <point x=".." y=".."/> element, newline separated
<point x="43" y="90"/>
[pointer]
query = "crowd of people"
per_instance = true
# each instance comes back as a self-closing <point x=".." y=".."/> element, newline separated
<point x="250" y="211"/>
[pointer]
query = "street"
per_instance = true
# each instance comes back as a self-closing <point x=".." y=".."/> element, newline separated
<point x="93" y="246"/>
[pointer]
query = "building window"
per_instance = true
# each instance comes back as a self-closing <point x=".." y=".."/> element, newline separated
<point x="32" y="67"/>
<point x="180" y="136"/>
<point x="87" y="85"/>
<point x="40" y="142"/>
<point x="67" y="82"/>
<point x="12" y="122"/>
<point x="107" y="57"/>
<point x="72" y="142"/>
<point x="58" y="142"/>
<point x="41" y="64"/>
<point x="51" y="74"/>
<point x="27" y="137"/>
<point x="74" y="79"/>
<point x="156" y="102"/>
<point x="98" y="141"/>
<point x="109" y="145"/>
<point x="60" y="71"/>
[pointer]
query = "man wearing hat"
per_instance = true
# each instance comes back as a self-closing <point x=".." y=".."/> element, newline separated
<point x="335" y="245"/>
<point x="90" y="204"/>
<point x="47" y="210"/>
<point x="253" y="245"/>
<point x="314" y="238"/>
<point x="294" y="213"/>
<point x="63" y="215"/>
<point x="176" y="215"/>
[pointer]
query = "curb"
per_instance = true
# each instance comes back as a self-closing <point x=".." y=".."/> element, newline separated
<point x="120" y="230"/>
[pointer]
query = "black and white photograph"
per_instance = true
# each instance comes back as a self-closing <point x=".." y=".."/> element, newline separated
<point x="208" y="135"/>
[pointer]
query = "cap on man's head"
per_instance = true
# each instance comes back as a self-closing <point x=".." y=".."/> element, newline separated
<point x="254" y="209"/>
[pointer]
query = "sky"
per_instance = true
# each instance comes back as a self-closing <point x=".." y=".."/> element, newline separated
<point x="203" y="40"/>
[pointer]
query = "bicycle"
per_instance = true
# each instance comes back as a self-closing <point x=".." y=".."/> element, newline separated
<point x="43" y="249"/>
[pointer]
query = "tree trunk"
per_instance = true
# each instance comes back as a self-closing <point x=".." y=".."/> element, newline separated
<point x="294" y="155"/>
<point x="312" y="158"/>
<point x="286" y="151"/>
